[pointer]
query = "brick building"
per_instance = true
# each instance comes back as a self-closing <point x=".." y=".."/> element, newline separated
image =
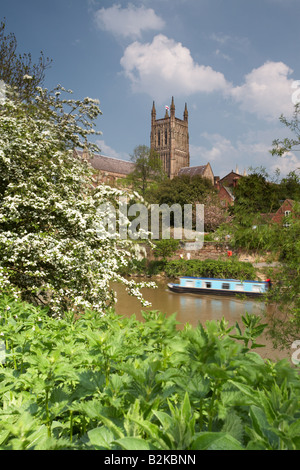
<point x="284" y="210"/>
<point x="109" y="169"/>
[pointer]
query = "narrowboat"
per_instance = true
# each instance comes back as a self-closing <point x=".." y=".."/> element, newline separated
<point x="212" y="286"/>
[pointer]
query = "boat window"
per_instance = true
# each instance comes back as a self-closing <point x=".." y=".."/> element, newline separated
<point x="225" y="285"/>
<point x="208" y="285"/>
<point x="256" y="288"/>
<point x="239" y="287"/>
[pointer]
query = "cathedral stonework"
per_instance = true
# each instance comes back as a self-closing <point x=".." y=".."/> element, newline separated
<point x="170" y="139"/>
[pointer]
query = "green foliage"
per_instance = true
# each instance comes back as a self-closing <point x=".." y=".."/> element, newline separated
<point x="256" y="235"/>
<point x="183" y="190"/>
<point x="257" y="194"/>
<point x="281" y="147"/>
<point x="285" y="294"/>
<point x="165" y="248"/>
<point x="230" y="268"/>
<point x="116" y="383"/>
<point x="254" y="194"/>
<point x="148" y="169"/>
<point x="54" y="245"/>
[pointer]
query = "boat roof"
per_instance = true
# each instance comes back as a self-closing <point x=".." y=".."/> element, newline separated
<point x="221" y="279"/>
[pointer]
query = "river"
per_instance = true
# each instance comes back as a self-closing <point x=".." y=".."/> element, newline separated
<point x="192" y="309"/>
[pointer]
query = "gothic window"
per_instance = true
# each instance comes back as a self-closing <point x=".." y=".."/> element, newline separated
<point x="158" y="138"/>
<point x="166" y="137"/>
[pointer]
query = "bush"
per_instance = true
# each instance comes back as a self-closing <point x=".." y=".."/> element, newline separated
<point x="210" y="268"/>
<point x="165" y="248"/>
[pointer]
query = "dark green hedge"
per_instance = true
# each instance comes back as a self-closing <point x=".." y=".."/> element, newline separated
<point x="210" y="268"/>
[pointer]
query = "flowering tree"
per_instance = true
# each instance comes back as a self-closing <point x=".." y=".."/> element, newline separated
<point x="50" y="218"/>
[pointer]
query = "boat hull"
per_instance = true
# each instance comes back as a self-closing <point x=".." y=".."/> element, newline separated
<point x="201" y="291"/>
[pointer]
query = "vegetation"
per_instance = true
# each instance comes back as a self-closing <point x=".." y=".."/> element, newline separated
<point x="74" y="375"/>
<point x="182" y="190"/>
<point x="165" y="248"/>
<point x="256" y="196"/>
<point x="284" y="326"/>
<point x="54" y="247"/>
<point x="231" y="268"/>
<point x="116" y="383"/>
<point x="148" y="169"/>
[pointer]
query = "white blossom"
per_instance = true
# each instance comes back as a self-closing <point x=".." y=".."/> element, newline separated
<point x="50" y="247"/>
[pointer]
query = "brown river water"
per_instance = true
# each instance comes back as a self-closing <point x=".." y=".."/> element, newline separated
<point x="192" y="309"/>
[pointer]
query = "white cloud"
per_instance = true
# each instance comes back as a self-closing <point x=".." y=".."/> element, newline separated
<point x="166" y="67"/>
<point x="108" y="151"/>
<point x="128" y="22"/>
<point x="267" y="91"/>
<point x="248" y="151"/>
<point x="219" y="53"/>
<point x="289" y="162"/>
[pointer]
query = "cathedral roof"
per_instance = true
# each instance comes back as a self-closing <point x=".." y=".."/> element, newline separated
<point x="192" y="170"/>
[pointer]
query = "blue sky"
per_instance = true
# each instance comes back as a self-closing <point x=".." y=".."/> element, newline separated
<point x="234" y="62"/>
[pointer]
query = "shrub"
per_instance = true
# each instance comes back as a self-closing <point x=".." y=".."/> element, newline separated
<point x="210" y="268"/>
<point x="165" y="248"/>
<point x="115" y="383"/>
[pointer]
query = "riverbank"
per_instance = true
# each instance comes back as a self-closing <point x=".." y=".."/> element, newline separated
<point x="150" y="266"/>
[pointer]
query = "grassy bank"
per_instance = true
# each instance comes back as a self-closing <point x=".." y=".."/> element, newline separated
<point x="116" y="383"/>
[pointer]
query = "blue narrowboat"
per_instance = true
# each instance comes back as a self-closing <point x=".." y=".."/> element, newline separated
<point x="212" y="286"/>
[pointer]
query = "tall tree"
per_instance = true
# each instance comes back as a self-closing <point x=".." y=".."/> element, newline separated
<point x="148" y="169"/>
<point x="255" y="194"/>
<point x="285" y="324"/>
<point x="183" y="190"/>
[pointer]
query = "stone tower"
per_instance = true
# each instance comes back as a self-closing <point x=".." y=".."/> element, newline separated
<point x="170" y="139"/>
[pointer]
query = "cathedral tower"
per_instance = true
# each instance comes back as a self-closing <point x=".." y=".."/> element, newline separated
<point x="170" y="139"/>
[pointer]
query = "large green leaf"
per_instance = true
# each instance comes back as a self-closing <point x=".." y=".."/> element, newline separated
<point x="134" y="443"/>
<point x="216" y="441"/>
<point x="100" y="438"/>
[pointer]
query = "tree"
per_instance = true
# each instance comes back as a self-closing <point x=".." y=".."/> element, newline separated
<point x="281" y="147"/>
<point x="183" y="190"/>
<point x="148" y="169"/>
<point x="289" y="187"/>
<point x="165" y="248"/>
<point x="14" y="67"/>
<point x="285" y="323"/>
<point x="54" y="248"/>
<point x="254" y="194"/>
<point x="214" y="213"/>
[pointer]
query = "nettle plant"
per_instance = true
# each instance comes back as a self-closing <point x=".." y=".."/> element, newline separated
<point x="50" y="249"/>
